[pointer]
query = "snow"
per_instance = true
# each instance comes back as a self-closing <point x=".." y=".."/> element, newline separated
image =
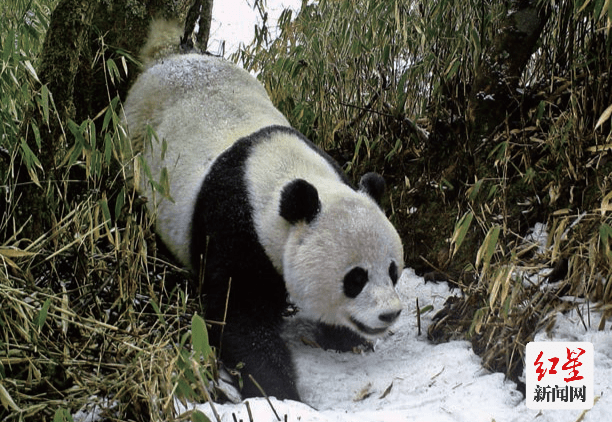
<point x="233" y="22"/>
<point x="407" y="378"/>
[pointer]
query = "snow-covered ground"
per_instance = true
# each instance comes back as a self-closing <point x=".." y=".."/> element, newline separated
<point x="409" y="379"/>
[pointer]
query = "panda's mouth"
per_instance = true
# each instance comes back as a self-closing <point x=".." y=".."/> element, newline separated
<point x="365" y="329"/>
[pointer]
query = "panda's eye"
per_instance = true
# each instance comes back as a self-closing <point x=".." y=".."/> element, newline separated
<point x="393" y="273"/>
<point x="354" y="282"/>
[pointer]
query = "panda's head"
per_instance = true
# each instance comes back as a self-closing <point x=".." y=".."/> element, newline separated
<point x="343" y="257"/>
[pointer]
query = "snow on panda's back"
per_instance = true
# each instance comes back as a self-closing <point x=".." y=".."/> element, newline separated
<point x="194" y="90"/>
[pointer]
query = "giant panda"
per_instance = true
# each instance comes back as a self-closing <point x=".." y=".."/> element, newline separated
<point x="258" y="212"/>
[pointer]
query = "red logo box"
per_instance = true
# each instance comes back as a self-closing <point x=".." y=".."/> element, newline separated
<point x="559" y="375"/>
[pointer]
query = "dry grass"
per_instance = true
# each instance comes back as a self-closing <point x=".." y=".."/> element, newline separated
<point x="91" y="320"/>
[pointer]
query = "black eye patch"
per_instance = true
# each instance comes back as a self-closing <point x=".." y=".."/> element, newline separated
<point x="354" y="282"/>
<point x="393" y="273"/>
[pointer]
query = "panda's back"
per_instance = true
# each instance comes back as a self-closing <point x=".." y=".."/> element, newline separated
<point x="194" y="96"/>
<point x="198" y="106"/>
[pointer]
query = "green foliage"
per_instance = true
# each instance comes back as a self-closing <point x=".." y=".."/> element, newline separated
<point x="331" y="62"/>
<point x="39" y="321"/>
<point x="605" y="234"/>
<point x="198" y="366"/>
<point x="86" y="293"/>
<point x="199" y="339"/>
<point x="485" y="253"/>
<point x="461" y="229"/>
<point x="198" y="416"/>
<point x="339" y="59"/>
<point x="62" y="415"/>
<point x="23" y="24"/>
<point x="28" y="109"/>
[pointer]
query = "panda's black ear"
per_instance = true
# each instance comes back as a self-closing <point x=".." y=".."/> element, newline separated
<point x="299" y="201"/>
<point x="374" y="185"/>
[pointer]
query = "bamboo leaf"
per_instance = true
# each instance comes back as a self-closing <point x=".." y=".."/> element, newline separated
<point x="7" y="48"/>
<point x="37" y="137"/>
<point x="143" y="166"/>
<point x="199" y="338"/>
<point x="92" y="133"/>
<point x="605" y="234"/>
<point x="10" y="263"/>
<point x="198" y="416"/>
<point x="15" y="253"/>
<point x="108" y="148"/>
<point x="164" y="149"/>
<point x="158" y="312"/>
<point x="477" y="321"/>
<point x="105" y="210"/>
<point x="501" y="282"/>
<point x="124" y="64"/>
<point x="474" y="190"/>
<point x="44" y="95"/>
<point x="119" y="203"/>
<point x="184" y="389"/>
<point x="7" y="401"/>
<point x="452" y="68"/>
<point x="28" y="65"/>
<point x="62" y="415"/>
<point x="40" y="319"/>
<point x="486" y="250"/>
<point x="31" y="161"/>
<point x="107" y="118"/>
<point x="461" y="229"/>
<point x="604" y="116"/>
<point x="113" y="70"/>
<point x="164" y="184"/>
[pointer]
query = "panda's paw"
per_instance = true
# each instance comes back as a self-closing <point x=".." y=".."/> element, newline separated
<point x="341" y="339"/>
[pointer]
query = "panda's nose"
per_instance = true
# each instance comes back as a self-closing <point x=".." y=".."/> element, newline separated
<point x="389" y="317"/>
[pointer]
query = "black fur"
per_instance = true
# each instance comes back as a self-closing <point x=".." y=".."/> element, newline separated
<point x="299" y="202"/>
<point x="354" y="282"/>
<point x="341" y="339"/>
<point x="225" y="242"/>
<point x="374" y="185"/>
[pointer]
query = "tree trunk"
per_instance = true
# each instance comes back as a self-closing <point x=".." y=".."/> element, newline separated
<point x="205" y="20"/>
<point x="200" y="13"/>
<point x="70" y="67"/>
<point x="494" y="92"/>
<point x="66" y="37"/>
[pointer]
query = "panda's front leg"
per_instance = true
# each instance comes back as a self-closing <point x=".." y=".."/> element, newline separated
<point x="341" y="339"/>
<point x="256" y="343"/>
